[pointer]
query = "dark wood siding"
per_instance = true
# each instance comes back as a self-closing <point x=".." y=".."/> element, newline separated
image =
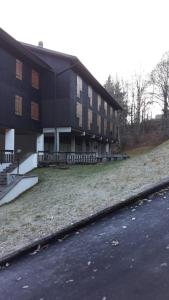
<point x="11" y="86"/>
<point x="85" y="102"/>
<point x="56" y="93"/>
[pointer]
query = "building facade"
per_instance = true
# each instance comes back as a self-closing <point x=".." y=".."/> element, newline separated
<point x="50" y="101"/>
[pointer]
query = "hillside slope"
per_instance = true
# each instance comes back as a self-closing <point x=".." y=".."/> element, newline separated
<point x="66" y="196"/>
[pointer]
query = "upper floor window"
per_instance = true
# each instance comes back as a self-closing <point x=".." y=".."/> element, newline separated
<point x="105" y="126"/>
<point x="35" y="79"/>
<point x="79" y="113"/>
<point x="111" y="127"/>
<point x="99" y="101"/>
<point x="18" y="105"/>
<point x="35" y="111"/>
<point x="99" y="123"/>
<point x="105" y="107"/>
<point x="111" y="111"/>
<point x="79" y="86"/>
<point x="19" y="66"/>
<point x="90" y="119"/>
<point x="90" y="95"/>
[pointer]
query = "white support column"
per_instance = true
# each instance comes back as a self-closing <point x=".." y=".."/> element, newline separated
<point x="91" y="146"/>
<point x="96" y="148"/>
<point x="40" y="142"/>
<point x="10" y="139"/>
<point x="83" y="145"/>
<point x="73" y="144"/>
<point x="99" y="148"/>
<point x="56" y="141"/>
<point x="107" y="148"/>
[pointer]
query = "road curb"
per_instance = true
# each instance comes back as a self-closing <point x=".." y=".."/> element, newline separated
<point x="150" y="189"/>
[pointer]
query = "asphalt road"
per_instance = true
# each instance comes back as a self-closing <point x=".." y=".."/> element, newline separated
<point x="124" y="256"/>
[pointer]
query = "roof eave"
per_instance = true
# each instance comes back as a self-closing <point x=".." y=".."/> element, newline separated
<point x="18" y="47"/>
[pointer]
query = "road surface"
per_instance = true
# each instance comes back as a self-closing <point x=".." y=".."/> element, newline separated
<point x="124" y="256"/>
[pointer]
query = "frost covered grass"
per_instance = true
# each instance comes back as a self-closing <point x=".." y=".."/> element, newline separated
<point x="64" y="196"/>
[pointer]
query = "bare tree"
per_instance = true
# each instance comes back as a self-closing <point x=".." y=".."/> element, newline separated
<point x="159" y="80"/>
<point x="136" y="101"/>
<point x="140" y="101"/>
<point x="118" y="89"/>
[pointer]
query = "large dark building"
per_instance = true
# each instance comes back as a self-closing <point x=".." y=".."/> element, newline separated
<point x="50" y="101"/>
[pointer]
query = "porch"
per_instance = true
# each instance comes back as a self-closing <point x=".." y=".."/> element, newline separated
<point x="54" y="145"/>
<point x="69" y="140"/>
<point x="46" y="158"/>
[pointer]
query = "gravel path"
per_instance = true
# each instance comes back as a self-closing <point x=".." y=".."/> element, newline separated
<point x="65" y="196"/>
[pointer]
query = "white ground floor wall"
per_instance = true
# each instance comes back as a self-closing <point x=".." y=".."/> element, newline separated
<point x="20" y="187"/>
<point x="30" y="163"/>
<point x="3" y="166"/>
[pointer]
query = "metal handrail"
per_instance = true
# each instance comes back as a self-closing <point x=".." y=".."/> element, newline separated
<point x="6" y="156"/>
<point x="67" y="157"/>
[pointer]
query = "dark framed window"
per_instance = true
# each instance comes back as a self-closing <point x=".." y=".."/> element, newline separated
<point x="19" y="67"/>
<point x="105" y="126"/>
<point x="90" y="119"/>
<point x="18" y="105"/>
<point x="99" y="102"/>
<point x="99" y="123"/>
<point x="79" y="86"/>
<point x="90" y="95"/>
<point x="79" y="112"/>
<point x="105" y="107"/>
<point x="34" y="111"/>
<point x="35" y="79"/>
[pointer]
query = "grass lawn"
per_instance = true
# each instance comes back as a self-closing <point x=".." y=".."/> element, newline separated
<point x="64" y="196"/>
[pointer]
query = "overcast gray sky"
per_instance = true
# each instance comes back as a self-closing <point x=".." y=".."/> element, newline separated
<point x="109" y="36"/>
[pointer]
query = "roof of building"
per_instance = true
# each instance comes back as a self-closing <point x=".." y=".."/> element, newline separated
<point x="81" y="69"/>
<point x="26" y="50"/>
<point x="13" y="44"/>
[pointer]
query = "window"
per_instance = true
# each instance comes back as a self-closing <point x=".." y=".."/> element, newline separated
<point x="35" y="79"/>
<point x="90" y="119"/>
<point x="18" y="69"/>
<point x="99" y="100"/>
<point x="79" y="86"/>
<point x="116" y="131"/>
<point x="111" y="112"/>
<point x="111" y="127"/>
<point x="105" y="126"/>
<point x="79" y="113"/>
<point x="99" y="123"/>
<point x="18" y="105"/>
<point x="34" y="111"/>
<point x="105" y="107"/>
<point x="90" y="95"/>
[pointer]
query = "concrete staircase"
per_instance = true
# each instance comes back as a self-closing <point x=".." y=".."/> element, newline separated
<point x="13" y="184"/>
<point x="4" y="178"/>
<point x="3" y="174"/>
